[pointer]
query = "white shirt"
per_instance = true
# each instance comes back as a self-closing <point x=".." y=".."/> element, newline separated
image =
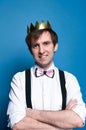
<point x="45" y="94"/>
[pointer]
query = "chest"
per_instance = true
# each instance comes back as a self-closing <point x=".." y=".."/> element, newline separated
<point x="46" y="93"/>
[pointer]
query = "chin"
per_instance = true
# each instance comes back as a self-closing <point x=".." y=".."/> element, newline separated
<point x="44" y="66"/>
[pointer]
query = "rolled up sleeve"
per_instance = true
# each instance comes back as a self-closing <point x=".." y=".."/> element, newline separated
<point x="81" y="111"/>
<point x="16" y="107"/>
<point x="74" y="92"/>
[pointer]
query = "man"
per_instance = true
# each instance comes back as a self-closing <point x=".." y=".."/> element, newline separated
<point x="46" y="97"/>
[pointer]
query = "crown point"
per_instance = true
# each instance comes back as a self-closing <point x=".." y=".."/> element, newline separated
<point x="38" y="26"/>
<point x="28" y="29"/>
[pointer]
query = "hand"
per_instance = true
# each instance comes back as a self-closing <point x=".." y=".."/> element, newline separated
<point x="71" y="104"/>
<point x="32" y="113"/>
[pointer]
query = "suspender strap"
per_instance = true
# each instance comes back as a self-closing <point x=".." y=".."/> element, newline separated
<point x="28" y="88"/>
<point x="63" y="89"/>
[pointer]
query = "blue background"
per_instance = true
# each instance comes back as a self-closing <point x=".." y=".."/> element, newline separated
<point x="68" y="19"/>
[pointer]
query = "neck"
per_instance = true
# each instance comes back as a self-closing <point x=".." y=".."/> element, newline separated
<point x="46" y="67"/>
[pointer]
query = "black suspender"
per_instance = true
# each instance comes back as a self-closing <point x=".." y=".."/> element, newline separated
<point x="28" y="88"/>
<point x="63" y="89"/>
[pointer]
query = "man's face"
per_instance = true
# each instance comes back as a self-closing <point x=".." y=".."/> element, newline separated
<point x="43" y="50"/>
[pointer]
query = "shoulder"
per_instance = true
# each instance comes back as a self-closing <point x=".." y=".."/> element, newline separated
<point x="70" y="78"/>
<point x="19" y="76"/>
<point x="71" y="82"/>
<point x="66" y="73"/>
<point x="69" y="75"/>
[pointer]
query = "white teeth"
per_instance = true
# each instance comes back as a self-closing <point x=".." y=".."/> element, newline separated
<point x="42" y="56"/>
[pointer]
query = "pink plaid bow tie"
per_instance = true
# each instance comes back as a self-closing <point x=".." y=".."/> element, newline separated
<point x="49" y="73"/>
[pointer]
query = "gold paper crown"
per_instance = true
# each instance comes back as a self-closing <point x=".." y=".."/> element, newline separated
<point x="38" y="26"/>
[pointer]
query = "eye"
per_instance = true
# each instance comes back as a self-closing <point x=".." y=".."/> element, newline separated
<point x="35" y="46"/>
<point x="46" y="43"/>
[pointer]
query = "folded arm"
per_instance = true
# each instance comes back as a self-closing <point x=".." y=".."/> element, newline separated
<point x="64" y="119"/>
<point x="28" y="123"/>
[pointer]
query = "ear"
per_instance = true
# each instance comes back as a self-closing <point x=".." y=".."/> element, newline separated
<point x="56" y="47"/>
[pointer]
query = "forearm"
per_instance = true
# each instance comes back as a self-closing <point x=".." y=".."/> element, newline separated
<point x="61" y="119"/>
<point x="28" y="123"/>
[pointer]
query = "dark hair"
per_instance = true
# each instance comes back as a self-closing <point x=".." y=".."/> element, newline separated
<point x="33" y="36"/>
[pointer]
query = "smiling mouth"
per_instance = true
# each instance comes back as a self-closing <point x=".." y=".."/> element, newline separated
<point x="43" y="56"/>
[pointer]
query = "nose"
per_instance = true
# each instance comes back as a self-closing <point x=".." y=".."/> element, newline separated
<point x="41" y="49"/>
